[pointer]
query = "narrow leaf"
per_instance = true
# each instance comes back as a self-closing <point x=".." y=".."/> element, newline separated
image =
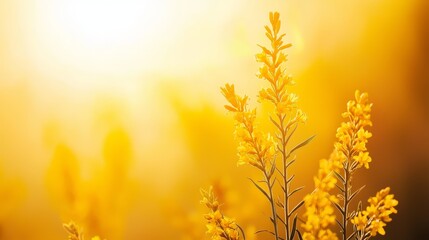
<point x="274" y="181"/>
<point x="279" y="203"/>
<point x="268" y="29"/>
<point x="352" y="235"/>
<point x="264" y="231"/>
<point x="354" y="166"/>
<point x="242" y="232"/>
<point x="338" y="207"/>
<point x="275" y="123"/>
<point x="290" y="163"/>
<point x="290" y="135"/>
<point x="280" y="172"/>
<point x="260" y="189"/>
<point x="354" y="194"/>
<point x="293" y="227"/>
<point x="302" y="144"/>
<point x="281" y="220"/>
<point x="297" y="207"/>
<point x="273" y="168"/>
<point x="291" y="178"/>
<point x="229" y="108"/>
<point x="283" y="187"/>
<point x="285" y="46"/>
<point x="340" y="224"/>
<point x="299" y="234"/>
<point x="294" y="191"/>
<point x="340" y="188"/>
<point x="359" y="208"/>
<point x="339" y="177"/>
<point x="265" y="50"/>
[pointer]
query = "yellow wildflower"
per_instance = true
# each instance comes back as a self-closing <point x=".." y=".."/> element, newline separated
<point x="255" y="147"/>
<point x="351" y="135"/>
<point x="373" y="219"/>
<point x="273" y="71"/>
<point x="75" y="233"/>
<point x="360" y="220"/>
<point x="218" y="226"/>
<point x="319" y="210"/>
<point x="363" y="159"/>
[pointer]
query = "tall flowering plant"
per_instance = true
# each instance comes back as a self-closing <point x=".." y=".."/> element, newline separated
<point x="272" y="155"/>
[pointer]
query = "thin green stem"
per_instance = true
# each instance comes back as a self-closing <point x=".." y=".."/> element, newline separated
<point x="346" y="201"/>
<point x="285" y="176"/>
<point x="273" y="206"/>
<point x="267" y="180"/>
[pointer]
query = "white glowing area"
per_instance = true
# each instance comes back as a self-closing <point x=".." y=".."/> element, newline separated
<point x="85" y="42"/>
<point x="104" y="24"/>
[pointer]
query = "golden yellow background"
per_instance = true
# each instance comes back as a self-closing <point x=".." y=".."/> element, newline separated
<point x="111" y="113"/>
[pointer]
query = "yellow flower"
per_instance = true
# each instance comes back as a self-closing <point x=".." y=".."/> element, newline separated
<point x="209" y="199"/>
<point x="255" y="147"/>
<point x="377" y="227"/>
<point x="75" y="233"/>
<point x="352" y="136"/>
<point x="374" y="218"/>
<point x="272" y="70"/>
<point x="319" y="210"/>
<point x="360" y="220"/>
<point x="218" y="226"/>
<point x="363" y="159"/>
<point x="73" y="230"/>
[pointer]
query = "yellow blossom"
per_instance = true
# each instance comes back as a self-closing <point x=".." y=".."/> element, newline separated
<point x="218" y="226"/>
<point x="255" y="147"/>
<point x="319" y="209"/>
<point x="360" y="220"/>
<point x="363" y="159"/>
<point x="75" y="233"/>
<point x="272" y="70"/>
<point x="352" y="136"/>
<point x="373" y="219"/>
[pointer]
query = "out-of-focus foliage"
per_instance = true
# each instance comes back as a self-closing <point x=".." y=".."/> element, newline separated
<point x="101" y="202"/>
<point x="156" y="76"/>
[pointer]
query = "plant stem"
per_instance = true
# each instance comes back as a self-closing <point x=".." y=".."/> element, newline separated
<point x="267" y="180"/>
<point x="273" y="206"/>
<point x="286" y="192"/>
<point x="346" y="201"/>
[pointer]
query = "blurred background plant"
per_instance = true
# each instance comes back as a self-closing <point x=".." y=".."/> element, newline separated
<point x="100" y="204"/>
<point x="64" y="65"/>
<point x="75" y="233"/>
<point x="12" y="192"/>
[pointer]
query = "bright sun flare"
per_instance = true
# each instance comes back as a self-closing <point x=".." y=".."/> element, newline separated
<point x="110" y="37"/>
<point x="104" y="24"/>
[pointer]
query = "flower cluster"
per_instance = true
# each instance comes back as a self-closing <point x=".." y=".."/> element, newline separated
<point x="273" y="71"/>
<point x="372" y="220"/>
<point x="351" y="135"/>
<point x="218" y="226"/>
<point x="261" y="150"/>
<point x="255" y="147"/>
<point x="319" y="209"/>
<point x="75" y="233"/>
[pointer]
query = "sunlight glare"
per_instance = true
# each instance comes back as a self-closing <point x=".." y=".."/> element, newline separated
<point x="98" y="43"/>
<point x="105" y="24"/>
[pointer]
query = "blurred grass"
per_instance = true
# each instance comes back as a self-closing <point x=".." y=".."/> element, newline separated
<point x="166" y="99"/>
